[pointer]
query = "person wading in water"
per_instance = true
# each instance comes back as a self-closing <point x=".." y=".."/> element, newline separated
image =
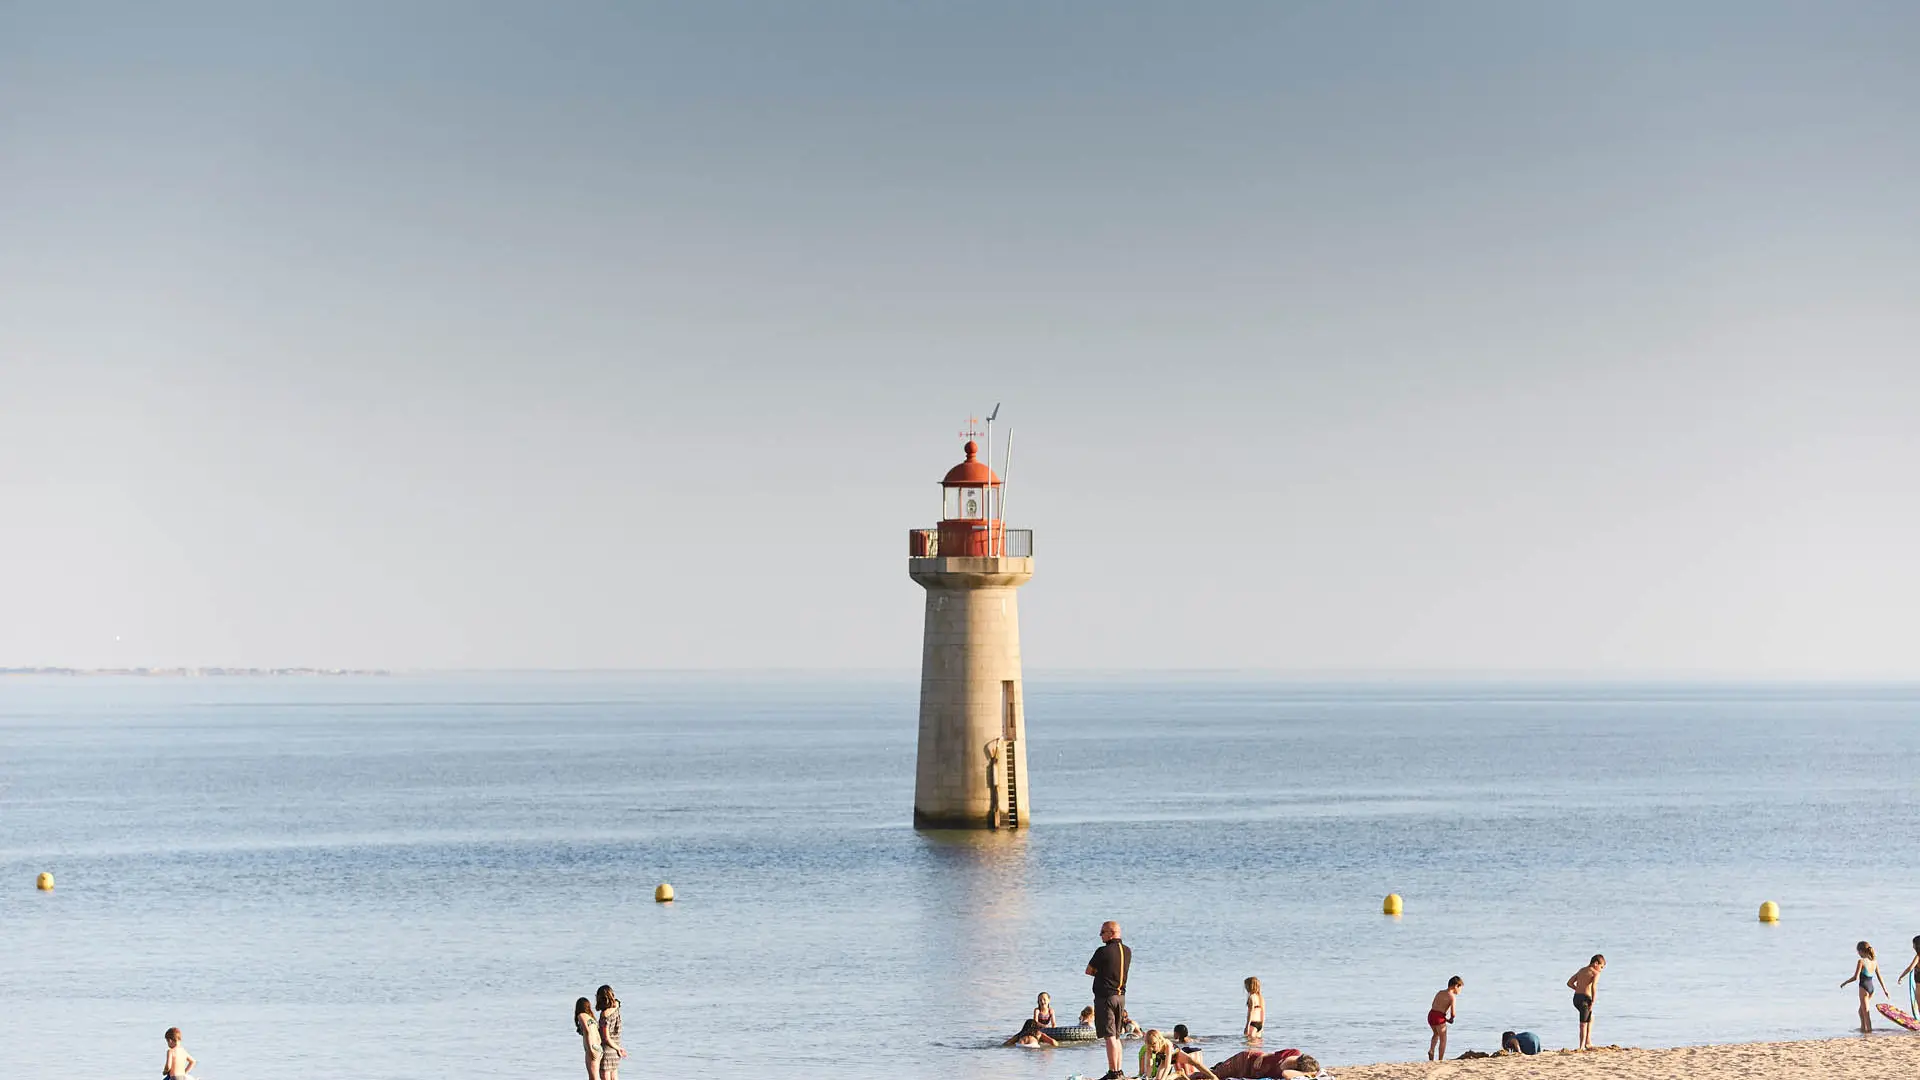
<point x="1109" y="967"/>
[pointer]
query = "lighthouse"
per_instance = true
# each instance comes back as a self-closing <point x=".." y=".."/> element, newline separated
<point x="972" y="768"/>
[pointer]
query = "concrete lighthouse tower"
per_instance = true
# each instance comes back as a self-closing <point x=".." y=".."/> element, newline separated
<point x="972" y="771"/>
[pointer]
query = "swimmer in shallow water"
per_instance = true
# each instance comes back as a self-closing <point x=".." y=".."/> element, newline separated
<point x="1256" y="1011"/>
<point x="1043" y="1010"/>
<point x="1031" y="1036"/>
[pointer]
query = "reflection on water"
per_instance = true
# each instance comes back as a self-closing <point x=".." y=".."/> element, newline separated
<point x="974" y="895"/>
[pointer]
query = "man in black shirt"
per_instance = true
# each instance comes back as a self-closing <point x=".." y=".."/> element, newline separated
<point x="1109" y="967"/>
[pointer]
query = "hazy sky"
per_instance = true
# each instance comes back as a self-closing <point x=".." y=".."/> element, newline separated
<point x="1346" y="337"/>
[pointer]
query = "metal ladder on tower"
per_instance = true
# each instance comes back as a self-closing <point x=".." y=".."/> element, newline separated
<point x="1012" y="784"/>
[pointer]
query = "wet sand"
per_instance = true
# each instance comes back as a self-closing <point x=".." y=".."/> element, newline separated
<point x="1889" y="1056"/>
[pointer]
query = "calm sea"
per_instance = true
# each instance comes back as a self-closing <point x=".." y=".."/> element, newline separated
<point x="411" y="877"/>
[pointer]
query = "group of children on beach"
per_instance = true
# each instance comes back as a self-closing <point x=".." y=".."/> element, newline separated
<point x="1178" y="1057"/>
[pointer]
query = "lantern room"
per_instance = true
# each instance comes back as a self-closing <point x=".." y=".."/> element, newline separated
<point x="970" y="491"/>
<point x="972" y="524"/>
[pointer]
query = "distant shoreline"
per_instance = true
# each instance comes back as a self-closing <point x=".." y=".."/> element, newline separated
<point x="192" y="672"/>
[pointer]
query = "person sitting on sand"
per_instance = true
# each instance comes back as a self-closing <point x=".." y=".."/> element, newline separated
<point x="1264" y="1065"/>
<point x="1030" y="1036"/>
<point x="1585" y="985"/>
<point x="1043" y="1010"/>
<point x="179" y="1063"/>
<point x="1866" y="971"/>
<point x="1519" y="1042"/>
<point x="1439" y="1015"/>
<point x="1160" y="1059"/>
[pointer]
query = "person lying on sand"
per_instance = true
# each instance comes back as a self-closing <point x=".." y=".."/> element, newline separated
<point x="1268" y="1065"/>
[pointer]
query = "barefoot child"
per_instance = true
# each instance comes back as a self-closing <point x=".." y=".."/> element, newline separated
<point x="1256" y="1010"/>
<point x="1440" y="1015"/>
<point x="1585" y="985"/>
<point x="1866" y="971"/>
<point x="179" y="1063"/>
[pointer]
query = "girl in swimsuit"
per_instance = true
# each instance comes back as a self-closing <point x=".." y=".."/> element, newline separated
<point x="589" y="1029"/>
<point x="610" y="1049"/>
<point x="1256" y="1010"/>
<point x="1043" y="1010"/>
<point x="1866" y="972"/>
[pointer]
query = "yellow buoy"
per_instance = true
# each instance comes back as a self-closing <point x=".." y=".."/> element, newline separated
<point x="44" y="883"/>
<point x="1769" y="912"/>
<point x="663" y="894"/>
<point x="1391" y="905"/>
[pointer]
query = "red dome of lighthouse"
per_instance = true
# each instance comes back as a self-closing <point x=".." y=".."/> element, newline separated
<point x="972" y="472"/>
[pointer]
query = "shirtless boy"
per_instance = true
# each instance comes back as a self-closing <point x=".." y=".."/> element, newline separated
<point x="1585" y="985"/>
<point x="179" y="1062"/>
<point x="1439" y="1016"/>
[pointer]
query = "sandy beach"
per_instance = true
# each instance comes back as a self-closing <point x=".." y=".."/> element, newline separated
<point x="1892" y="1056"/>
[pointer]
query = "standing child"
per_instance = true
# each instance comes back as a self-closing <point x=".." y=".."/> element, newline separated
<point x="1866" y="972"/>
<point x="1256" y="1011"/>
<point x="610" y="1049"/>
<point x="1585" y="985"/>
<point x="1043" y="1010"/>
<point x="1440" y="1015"/>
<point x="179" y="1064"/>
<point x="1912" y="975"/>
<point x="589" y="1029"/>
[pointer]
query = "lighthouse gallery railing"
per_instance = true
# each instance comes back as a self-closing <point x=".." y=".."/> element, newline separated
<point x="925" y="544"/>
